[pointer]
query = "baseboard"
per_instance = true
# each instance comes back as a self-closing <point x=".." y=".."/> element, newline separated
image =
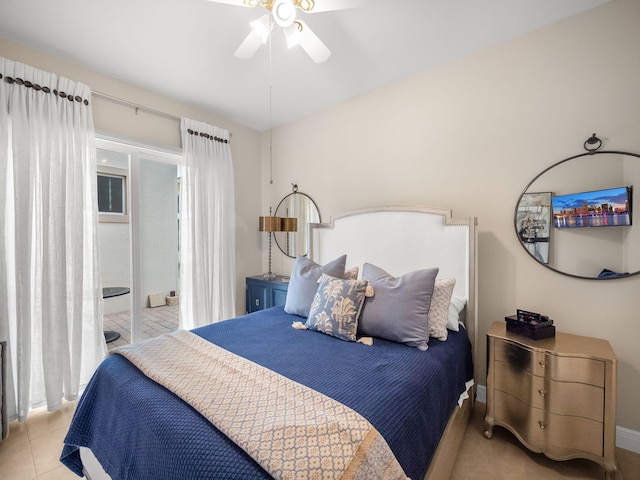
<point x="625" y="438"/>
<point x="481" y="394"/>
<point x="628" y="439"/>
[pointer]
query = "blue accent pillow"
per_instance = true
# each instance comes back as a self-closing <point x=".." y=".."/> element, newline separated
<point x="304" y="282"/>
<point x="399" y="308"/>
<point x="336" y="307"/>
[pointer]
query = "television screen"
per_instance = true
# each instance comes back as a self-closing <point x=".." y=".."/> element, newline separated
<point x="600" y="208"/>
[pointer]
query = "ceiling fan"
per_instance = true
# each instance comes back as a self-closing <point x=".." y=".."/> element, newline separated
<point x="283" y="14"/>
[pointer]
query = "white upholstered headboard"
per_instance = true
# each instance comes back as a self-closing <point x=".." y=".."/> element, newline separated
<point x="403" y="239"/>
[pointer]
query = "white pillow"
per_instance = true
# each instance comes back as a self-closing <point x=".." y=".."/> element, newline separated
<point x="455" y="307"/>
<point x="439" y="310"/>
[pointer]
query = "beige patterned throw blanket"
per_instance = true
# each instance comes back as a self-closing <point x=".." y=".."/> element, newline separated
<point x="292" y="431"/>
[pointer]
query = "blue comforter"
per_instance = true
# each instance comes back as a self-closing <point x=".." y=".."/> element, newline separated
<point x="139" y="430"/>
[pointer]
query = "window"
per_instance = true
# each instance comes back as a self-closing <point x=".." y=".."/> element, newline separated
<point x="112" y="194"/>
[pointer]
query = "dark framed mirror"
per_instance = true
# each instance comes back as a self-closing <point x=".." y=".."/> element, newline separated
<point x="302" y="207"/>
<point x="576" y="216"/>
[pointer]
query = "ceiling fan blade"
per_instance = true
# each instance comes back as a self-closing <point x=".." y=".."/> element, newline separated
<point x="311" y="44"/>
<point x="259" y="34"/>
<point x="238" y="3"/>
<point x="249" y="46"/>
<point x="327" y="5"/>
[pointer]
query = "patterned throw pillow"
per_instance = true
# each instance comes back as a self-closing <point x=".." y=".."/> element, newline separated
<point x="439" y="311"/>
<point x="351" y="274"/>
<point x="336" y="307"/>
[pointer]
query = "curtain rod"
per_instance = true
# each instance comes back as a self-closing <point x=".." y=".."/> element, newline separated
<point x="135" y="106"/>
<point x="138" y="107"/>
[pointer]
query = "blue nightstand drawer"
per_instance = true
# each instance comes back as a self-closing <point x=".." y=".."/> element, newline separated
<point x="261" y="293"/>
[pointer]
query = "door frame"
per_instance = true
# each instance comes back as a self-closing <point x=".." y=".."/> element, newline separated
<point x="136" y="151"/>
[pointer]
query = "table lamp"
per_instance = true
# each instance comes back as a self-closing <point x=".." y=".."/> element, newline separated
<point x="270" y="224"/>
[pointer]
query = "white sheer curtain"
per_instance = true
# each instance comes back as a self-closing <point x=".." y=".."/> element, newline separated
<point x="51" y="297"/>
<point x="207" y="226"/>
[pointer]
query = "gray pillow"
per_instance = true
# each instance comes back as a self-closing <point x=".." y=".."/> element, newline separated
<point x="304" y="282"/>
<point x="399" y="308"/>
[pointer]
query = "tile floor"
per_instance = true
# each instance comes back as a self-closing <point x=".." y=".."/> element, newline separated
<point x="32" y="450"/>
<point x="155" y="322"/>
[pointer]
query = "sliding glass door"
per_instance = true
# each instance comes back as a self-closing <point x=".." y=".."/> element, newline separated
<point x="138" y="190"/>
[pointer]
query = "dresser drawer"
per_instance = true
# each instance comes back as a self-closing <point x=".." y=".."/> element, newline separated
<point x="567" y="436"/>
<point x="555" y="367"/>
<point x="561" y="398"/>
<point x="521" y="419"/>
<point x="558" y="436"/>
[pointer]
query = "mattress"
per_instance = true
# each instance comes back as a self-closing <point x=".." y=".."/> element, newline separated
<point x="138" y="429"/>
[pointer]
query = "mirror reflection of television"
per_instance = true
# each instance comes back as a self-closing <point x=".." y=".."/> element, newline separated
<point x="599" y="208"/>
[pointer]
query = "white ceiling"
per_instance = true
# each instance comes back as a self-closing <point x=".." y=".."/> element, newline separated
<point x="184" y="48"/>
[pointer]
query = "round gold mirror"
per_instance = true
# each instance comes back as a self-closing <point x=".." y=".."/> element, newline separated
<point x="300" y="206"/>
<point x="560" y="215"/>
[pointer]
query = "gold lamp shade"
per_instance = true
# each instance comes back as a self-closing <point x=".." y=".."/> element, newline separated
<point x="289" y="224"/>
<point x="269" y="224"/>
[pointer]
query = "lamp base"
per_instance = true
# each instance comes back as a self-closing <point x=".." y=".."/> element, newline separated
<point x="269" y="276"/>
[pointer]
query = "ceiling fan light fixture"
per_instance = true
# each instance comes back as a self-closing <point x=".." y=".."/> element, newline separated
<point x="284" y="13"/>
<point x="296" y="32"/>
<point x="293" y="34"/>
<point x="262" y="28"/>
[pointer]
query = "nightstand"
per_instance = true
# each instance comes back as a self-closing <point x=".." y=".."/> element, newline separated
<point x="556" y="395"/>
<point x="261" y="293"/>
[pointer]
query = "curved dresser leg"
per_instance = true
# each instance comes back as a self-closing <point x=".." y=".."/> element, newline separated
<point x="488" y="429"/>
<point x="612" y="473"/>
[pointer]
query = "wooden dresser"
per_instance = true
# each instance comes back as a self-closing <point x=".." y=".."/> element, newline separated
<point x="556" y="395"/>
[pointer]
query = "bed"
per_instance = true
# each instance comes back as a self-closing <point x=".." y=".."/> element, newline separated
<point x="131" y="425"/>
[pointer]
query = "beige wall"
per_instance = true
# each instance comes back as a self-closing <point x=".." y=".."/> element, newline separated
<point x="120" y="120"/>
<point x="470" y="135"/>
